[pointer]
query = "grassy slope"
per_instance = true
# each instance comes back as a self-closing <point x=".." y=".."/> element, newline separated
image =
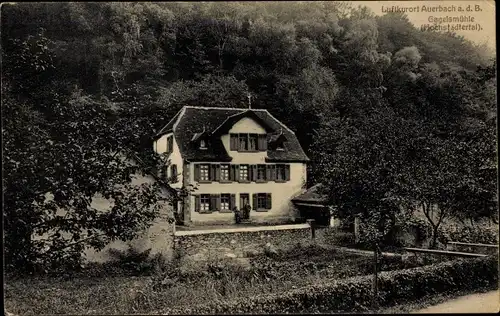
<point x="127" y="294"/>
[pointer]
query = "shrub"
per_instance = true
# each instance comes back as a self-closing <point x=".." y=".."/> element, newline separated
<point x="469" y="234"/>
<point x="355" y="293"/>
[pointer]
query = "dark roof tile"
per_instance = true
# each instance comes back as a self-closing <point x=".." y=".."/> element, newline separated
<point x="193" y="120"/>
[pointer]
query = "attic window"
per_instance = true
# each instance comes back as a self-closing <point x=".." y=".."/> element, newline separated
<point x="203" y="144"/>
<point x="280" y="146"/>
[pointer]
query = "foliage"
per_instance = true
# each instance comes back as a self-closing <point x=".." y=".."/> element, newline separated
<point x="365" y="95"/>
<point x="68" y="157"/>
<point x="469" y="234"/>
<point x="395" y="286"/>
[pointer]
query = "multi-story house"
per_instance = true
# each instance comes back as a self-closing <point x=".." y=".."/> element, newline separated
<point x="233" y="157"/>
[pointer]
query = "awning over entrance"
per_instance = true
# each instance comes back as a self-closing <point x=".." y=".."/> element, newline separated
<point x="311" y="197"/>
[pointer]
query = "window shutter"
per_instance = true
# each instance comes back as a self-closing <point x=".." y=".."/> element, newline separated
<point x="268" y="172"/>
<point x="213" y="203"/>
<point x="232" y="201"/>
<point x="273" y="173"/>
<point x="233" y="142"/>
<point x="217" y="172"/>
<point x="197" y="203"/>
<point x="217" y="202"/>
<point x="236" y="172"/>
<point x="254" y="201"/>
<point x="287" y="172"/>
<point x="213" y="169"/>
<point x="254" y="172"/>
<point x="269" y="204"/>
<point x="262" y="142"/>
<point x="196" y="172"/>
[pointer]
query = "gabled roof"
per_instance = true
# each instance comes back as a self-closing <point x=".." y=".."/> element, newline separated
<point x="312" y="195"/>
<point x="231" y="120"/>
<point x="191" y="120"/>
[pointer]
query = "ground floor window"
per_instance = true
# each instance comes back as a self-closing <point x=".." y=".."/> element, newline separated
<point x="262" y="201"/>
<point x="225" y="201"/>
<point x="205" y="202"/>
<point x="208" y="203"/>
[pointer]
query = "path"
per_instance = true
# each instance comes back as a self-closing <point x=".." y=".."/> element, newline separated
<point x="488" y="302"/>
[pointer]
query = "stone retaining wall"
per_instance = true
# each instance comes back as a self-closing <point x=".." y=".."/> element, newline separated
<point x="241" y="240"/>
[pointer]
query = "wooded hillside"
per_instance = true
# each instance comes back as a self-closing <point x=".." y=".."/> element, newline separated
<point x="368" y="97"/>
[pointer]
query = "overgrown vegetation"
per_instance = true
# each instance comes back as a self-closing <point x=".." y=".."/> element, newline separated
<point x="113" y="288"/>
<point x="391" y="116"/>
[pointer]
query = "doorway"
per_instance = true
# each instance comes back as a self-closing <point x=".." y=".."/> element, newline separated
<point x="245" y="205"/>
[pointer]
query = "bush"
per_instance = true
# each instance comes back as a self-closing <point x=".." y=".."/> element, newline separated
<point x="469" y="234"/>
<point x="355" y="293"/>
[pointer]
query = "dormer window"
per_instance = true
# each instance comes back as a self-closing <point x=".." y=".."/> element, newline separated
<point x="277" y="141"/>
<point x="203" y="144"/>
<point x="248" y="142"/>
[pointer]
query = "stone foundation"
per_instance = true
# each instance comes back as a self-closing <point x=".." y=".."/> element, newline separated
<point x="241" y="240"/>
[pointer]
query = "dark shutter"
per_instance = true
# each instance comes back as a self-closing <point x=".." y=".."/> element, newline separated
<point x="213" y="202"/>
<point x="232" y="201"/>
<point x="287" y="172"/>
<point x="254" y="172"/>
<point x="269" y="204"/>
<point x="254" y="201"/>
<point x="268" y="173"/>
<point x="213" y="170"/>
<point x="197" y="203"/>
<point x="232" y="173"/>
<point x="273" y="173"/>
<point x="217" y="205"/>
<point x="233" y="142"/>
<point x="236" y="173"/>
<point x="217" y="172"/>
<point x="196" y="172"/>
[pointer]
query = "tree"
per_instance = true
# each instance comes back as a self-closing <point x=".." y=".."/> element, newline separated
<point x="60" y="153"/>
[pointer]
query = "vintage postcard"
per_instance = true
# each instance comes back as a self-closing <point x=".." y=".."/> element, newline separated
<point x="263" y="157"/>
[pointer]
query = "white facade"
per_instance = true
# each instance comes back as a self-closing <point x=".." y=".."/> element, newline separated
<point x="281" y="192"/>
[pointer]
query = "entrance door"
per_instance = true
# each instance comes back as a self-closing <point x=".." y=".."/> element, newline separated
<point x="245" y="205"/>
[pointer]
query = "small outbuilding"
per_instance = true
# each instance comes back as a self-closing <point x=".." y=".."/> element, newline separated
<point x="312" y="204"/>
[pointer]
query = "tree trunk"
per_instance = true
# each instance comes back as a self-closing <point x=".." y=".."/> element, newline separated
<point x="433" y="244"/>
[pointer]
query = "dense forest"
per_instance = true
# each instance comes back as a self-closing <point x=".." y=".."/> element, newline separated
<point x="387" y="113"/>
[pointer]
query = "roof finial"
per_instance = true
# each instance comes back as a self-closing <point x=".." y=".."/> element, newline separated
<point x="249" y="96"/>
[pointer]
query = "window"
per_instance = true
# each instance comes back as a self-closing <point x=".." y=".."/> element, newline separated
<point x="225" y="201"/>
<point x="173" y="172"/>
<point x="261" y="172"/>
<point x="205" y="202"/>
<point x="253" y="138"/>
<point x="224" y="172"/>
<point x="170" y="144"/>
<point x="261" y="200"/>
<point x="244" y="172"/>
<point x="205" y="172"/>
<point x="280" y="173"/>
<point x="203" y="144"/>
<point x="248" y="142"/>
<point x="243" y="144"/>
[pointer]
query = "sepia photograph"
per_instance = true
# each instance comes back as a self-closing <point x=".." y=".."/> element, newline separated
<point x="249" y="157"/>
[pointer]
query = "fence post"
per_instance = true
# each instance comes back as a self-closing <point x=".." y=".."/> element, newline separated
<point x="375" y="278"/>
<point x="311" y="224"/>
